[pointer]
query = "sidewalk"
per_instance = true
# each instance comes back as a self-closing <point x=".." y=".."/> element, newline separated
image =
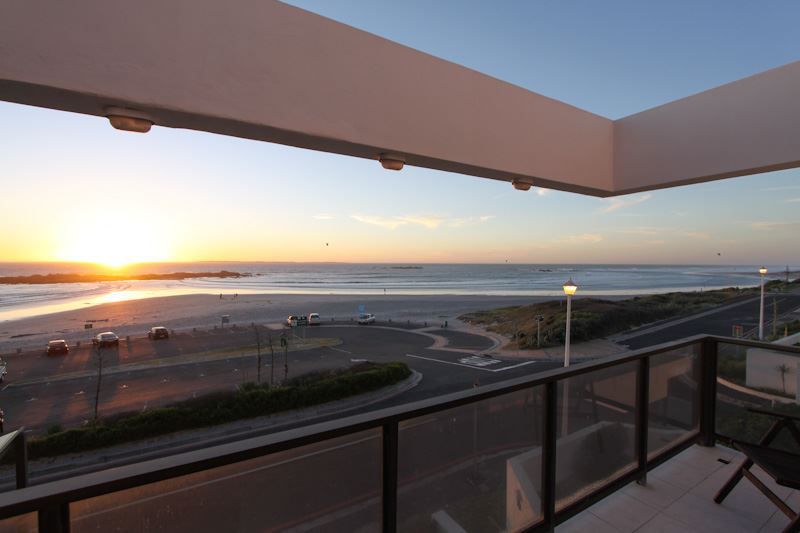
<point x="579" y="352"/>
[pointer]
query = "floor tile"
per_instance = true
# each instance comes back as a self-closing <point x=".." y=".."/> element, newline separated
<point x="662" y="523"/>
<point x="584" y="522"/>
<point x="707" y="516"/>
<point x="623" y="512"/>
<point x="657" y="493"/>
<point x="778" y="521"/>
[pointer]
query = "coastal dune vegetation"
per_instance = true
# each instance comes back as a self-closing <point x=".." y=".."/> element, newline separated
<point x="594" y="318"/>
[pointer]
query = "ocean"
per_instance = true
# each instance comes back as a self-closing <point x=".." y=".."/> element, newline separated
<point x="19" y="301"/>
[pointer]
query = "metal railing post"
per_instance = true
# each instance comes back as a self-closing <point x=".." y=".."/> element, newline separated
<point x="21" y="459"/>
<point x="549" y="457"/>
<point x="54" y="519"/>
<point x="390" y="437"/>
<point x="708" y="391"/>
<point x="642" y="412"/>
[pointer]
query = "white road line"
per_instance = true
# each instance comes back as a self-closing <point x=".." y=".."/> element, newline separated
<point x="451" y="363"/>
<point x="339" y="349"/>
<point x="473" y="366"/>
<point x="514" y="366"/>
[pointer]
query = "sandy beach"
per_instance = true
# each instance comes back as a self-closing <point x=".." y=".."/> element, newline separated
<point x="135" y="317"/>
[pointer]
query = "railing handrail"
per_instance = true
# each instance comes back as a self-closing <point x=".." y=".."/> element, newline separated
<point x="93" y="484"/>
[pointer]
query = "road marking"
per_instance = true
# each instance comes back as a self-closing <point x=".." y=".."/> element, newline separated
<point x="339" y="349"/>
<point x="4" y="387"/>
<point x="123" y="386"/>
<point x="451" y="363"/>
<point x="478" y="360"/>
<point x="79" y="393"/>
<point x="473" y="366"/>
<point x="31" y="400"/>
<point x="358" y="360"/>
<point x="515" y="366"/>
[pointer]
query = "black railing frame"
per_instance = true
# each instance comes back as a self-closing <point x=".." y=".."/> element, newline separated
<point x="52" y="500"/>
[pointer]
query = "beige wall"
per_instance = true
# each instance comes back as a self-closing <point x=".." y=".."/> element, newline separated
<point x="745" y="127"/>
<point x="264" y="70"/>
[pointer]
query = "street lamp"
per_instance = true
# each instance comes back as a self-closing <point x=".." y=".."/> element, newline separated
<point x="569" y="290"/>
<point x="763" y="272"/>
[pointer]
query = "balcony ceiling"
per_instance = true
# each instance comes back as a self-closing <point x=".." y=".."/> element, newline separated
<point x="264" y="70"/>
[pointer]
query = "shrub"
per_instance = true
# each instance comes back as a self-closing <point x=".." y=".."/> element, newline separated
<point x="251" y="400"/>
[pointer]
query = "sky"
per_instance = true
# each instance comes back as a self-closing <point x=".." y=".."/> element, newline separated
<point x="75" y="189"/>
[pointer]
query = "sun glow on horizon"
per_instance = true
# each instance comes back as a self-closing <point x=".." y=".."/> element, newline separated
<point x="113" y="241"/>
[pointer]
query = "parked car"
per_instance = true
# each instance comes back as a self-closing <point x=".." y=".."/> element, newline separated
<point x="366" y="318"/>
<point x="3" y="371"/>
<point x="313" y="319"/>
<point x="105" y="339"/>
<point x="57" y="347"/>
<point x="297" y="320"/>
<point x="158" y="332"/>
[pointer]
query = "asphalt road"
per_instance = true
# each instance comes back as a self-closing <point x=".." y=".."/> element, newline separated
<point x="718" y="323"/>
<point x="40" y="393"/>
<point x="454" y="461"/>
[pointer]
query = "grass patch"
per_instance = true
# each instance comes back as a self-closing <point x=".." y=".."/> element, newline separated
<point x="594" y="318"/>
<point x="250" y="401"/>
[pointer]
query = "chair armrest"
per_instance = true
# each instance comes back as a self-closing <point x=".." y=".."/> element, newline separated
<point x="775" y="414"/>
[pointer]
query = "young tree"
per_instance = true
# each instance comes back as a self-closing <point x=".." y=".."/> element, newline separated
<point x="258" y="352"/>
<point x="100" y="355"/>
<point x="783" y="369"/>
<point x="272" y="360"/>
<point x="285" y="344"/>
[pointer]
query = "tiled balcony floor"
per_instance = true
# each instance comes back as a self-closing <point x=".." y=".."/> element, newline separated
<point x="679" y="497"/>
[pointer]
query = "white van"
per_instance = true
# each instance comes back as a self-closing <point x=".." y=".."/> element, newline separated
<point x="313" y="319"/>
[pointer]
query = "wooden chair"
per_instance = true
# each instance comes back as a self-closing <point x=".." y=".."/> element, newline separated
<point x="782" y="466"/>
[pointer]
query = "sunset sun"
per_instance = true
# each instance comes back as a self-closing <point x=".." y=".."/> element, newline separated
<point x="113" y="243"/>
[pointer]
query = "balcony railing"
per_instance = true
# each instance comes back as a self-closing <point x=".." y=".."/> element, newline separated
<point x="525" y="454"/>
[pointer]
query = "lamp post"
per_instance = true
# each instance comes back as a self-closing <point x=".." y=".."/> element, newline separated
<point x="763" y="272"/>
<point x="569" y="290"/>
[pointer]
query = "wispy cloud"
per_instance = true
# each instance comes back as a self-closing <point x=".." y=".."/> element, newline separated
<point x="775" y="225"/>
<point x="615" y="204"/>
<point x="388" y="223"/>
<point x="324" y="216"/>
<point x="643" y="230"/>
<point x="591" y="238"/>
<point x="426" y="221"/>
<point x="793" y="200"/>
<point x="468" y="221"/>
<point x="430" y="222"/>
<point x="784" y="188"/>
<point x="697" y="235"/>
